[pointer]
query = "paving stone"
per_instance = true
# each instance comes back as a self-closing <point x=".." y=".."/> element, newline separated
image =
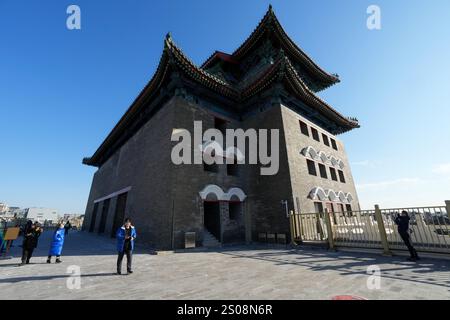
<point x="238" y="272"/>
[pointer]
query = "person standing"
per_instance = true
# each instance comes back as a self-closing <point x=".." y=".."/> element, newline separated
<point x="57" y="244"/>
<point x="67" y="227"/>
<point x="32" y="232"/>
<point x="2" y="243"/>
<point x="125" y="245"/>
<point x="402" y="222"/>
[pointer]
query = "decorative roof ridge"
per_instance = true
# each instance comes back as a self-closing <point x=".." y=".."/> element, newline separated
<point x="270" y="17"/>
<point x="159" y="72"/>
<point x="215" y="55"/>
<point x="282" y="67"/>
<point x="312" y="94"/>
<point x="333" y="76"/>
<point x="175" y="51"/>
<point x="172" y="55"/>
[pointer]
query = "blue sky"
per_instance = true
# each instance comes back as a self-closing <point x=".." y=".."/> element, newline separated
<point x="62" y="91"/>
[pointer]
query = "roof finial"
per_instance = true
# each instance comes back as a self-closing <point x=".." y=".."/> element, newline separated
<point x="168" y="36"/>
<point x="270" y="8"/>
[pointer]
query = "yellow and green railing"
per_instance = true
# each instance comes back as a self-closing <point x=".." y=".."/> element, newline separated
<point x="374" y="229"/>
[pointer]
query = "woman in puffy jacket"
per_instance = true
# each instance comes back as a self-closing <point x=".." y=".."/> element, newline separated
<point x="57" y="244"/>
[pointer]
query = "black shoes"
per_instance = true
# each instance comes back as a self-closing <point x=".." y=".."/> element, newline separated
<point x="58" y="261"/>
<point x="128" y="272"/>
<point x="48" y="261"/>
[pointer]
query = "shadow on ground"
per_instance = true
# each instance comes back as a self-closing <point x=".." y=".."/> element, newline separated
<point x="426" y="271"/>
<point x="51" y="277"/>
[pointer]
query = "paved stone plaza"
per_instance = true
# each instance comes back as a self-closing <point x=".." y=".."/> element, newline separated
<point x="230" y="273"/>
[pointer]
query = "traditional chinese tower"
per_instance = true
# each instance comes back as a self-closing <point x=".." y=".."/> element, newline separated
<point x="268" y="82"/>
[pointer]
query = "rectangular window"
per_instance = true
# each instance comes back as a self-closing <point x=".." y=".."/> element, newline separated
<point x="304" y="128"/>
<point x="331" y="211"/>
<point x="341" y="176"/>
<point x="232" y="169"/>
<point x="333" y="143"/>
<point x="220" y="125"/>
<point x="234" y="210"/>
<point x="325" y="139"/>
<point x="318" y="206"/>
<point x="348" y="207"/>
<point x="323" y="171"/>
<point x="333" y="174"/>
<point x="315" y="134"/>
<point x="341" y="209"/>
<point x="311" y="167"/>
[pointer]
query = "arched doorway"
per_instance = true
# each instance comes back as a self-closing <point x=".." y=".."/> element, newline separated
<point x="222" y="211"/>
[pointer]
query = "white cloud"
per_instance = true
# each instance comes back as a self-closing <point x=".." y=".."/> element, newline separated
<point x="443" y="168"/>
<point x="387" y="183"/>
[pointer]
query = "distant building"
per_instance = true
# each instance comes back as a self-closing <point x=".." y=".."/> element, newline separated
<point x="14" y="212"/>
<point x="3" y="207"/>
<point x="76" y="220"/>
<point x="41" y="214"/>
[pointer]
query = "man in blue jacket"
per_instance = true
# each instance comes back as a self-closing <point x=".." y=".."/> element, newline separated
<point x="125" y="244"/>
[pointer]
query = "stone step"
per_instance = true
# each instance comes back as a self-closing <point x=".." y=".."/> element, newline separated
<point x="209" y="240"/>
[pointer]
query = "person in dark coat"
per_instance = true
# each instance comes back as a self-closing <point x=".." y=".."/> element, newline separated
<point x="67" y="227"/>
<point x="402" y="222"/>
<point x="57" y="244"/>
<point x="32" y="232"/>
<point x="2" y="243"/>
<point x="125" y="245"/>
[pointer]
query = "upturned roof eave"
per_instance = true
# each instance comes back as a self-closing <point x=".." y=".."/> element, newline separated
<point x="282" y="70"/>
<point x="172" y="55"/>
<point x="328" y="79"/>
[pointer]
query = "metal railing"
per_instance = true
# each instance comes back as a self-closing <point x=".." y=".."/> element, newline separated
<point x="376" y="229"/>
<point x="308" y="227"/>
<point x="429" y="228"/>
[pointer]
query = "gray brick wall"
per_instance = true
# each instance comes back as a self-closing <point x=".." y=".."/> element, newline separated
<point x="161" y="191"/>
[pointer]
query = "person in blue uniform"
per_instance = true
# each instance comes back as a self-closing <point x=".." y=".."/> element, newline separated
<point x="125" y="245"/>
<point x="57" y="244"/>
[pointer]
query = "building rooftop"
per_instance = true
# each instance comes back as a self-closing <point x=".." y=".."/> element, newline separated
<point x="268" y="57"/>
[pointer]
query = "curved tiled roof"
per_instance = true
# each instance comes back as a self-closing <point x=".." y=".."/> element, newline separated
<point x="271" y="21"/>
<point x="174" y="60"/>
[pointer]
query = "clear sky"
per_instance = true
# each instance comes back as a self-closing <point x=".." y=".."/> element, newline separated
<point x="62" y="91"/>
